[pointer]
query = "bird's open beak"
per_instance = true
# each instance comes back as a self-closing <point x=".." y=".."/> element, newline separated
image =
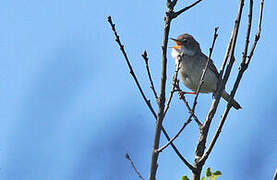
<point x="178" y="43"/>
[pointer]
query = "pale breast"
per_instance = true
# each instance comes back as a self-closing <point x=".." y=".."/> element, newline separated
<point x="191" y="70"/>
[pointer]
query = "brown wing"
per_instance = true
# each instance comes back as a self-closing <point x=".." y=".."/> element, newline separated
<point x="211" y="65"/>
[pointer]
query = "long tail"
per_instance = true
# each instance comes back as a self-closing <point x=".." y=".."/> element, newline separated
<point x="234" y="103"/>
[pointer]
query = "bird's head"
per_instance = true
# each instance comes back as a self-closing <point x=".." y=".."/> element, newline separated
<point x="186" y="44"/>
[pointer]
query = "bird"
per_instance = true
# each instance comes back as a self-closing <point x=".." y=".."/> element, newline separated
<point x="192" y="63"/>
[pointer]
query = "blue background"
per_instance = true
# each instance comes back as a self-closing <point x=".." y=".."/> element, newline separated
<point x="70" y="109"/>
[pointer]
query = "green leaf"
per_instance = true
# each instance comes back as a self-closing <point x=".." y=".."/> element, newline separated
<point x="218" y="173"/>
<point x="211" y="175"/>
<point x="203" y="178"/>
<point x="208" y="172"/>
<point x="185" y="178"/>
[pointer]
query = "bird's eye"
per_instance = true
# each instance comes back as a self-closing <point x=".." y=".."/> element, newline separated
<point x="185" y="41"/>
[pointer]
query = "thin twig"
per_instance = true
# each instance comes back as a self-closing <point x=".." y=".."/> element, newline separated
<point x="242" y="69"/>
<point x="133" y="166"/>
<point x="187" y="105"/>
<point x="257" y="36"/>
<point x="233" y="46"/>
<point x="176" y="14"/>
<point x="177" y="152"/>
<point x="197" y="93"/>
<point x="144" y="97"/>
<point x="244" y="54"/>
<point x="170" y="140"/>
<point x="200" y="148"/>
<point x="201" y="82"/>
<point x="144" y="55"/>
<point x="177" y="134"/>
<point x="130" y="66"/>
<point x="174" y="82"/>
<point x="201" y="144"/>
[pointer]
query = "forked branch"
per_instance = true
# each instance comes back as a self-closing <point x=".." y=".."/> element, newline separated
<point x="242" y="69"/>
<point x="176" y="14"/>
<point x="144" y="55"/>
<point x="200" y="148"/>
<point x="130" y="66"/>
<point x="197" y="93"/>
<point x="142" y="93"/>
<point x="155" y="154"/>
<point x="188" y="106"/>
<point x="174" y="83"/>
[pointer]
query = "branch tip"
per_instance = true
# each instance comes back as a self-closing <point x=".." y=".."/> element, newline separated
<point x="176" y="14"/>
<point x="133" y="166"/>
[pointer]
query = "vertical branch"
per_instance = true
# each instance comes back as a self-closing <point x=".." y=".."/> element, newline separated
<point x="200" y="154"/>
<point x="221" y="85"/>
<point x="168" y="18"/>
<point x="155" y="154"/>
<point x="242" y="69"/>
<point x="197" y="93"/>
<point x="140" y="89"/>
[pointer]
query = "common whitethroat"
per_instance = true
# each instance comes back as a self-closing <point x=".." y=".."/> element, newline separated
<point x="192" y="63"/>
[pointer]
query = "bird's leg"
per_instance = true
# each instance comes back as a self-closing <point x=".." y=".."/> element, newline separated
<point x="181" y="93"/>
<point x="189" y="92"/>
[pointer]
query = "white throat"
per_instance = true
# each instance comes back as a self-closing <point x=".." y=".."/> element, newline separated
<point x="176" y="52"/>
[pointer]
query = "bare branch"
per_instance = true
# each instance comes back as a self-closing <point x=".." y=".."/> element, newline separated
<point x="197" y="93"/>
<point x="187" y="105"/>
<point x="144" y="55"/>
<point x="173" y="3"/>
<point x="210" y="147"/>
<point x="155" y="154"/>
<point x="130" y="66"/>
<point x="234" y="41"/>
<point x="174" y="82"/>
<point x="144" y="97"/>
<point x="133" y="166"/>
<point x="257" y="37"/>
<point x="168" y="18"/>
<point x="200" y="154"/>
<point x="244" y="54"/>
<point x="177" y="152"/>
<point x="242" y="69"/>
<point x="221" y="85"/>
<point x="176" y="14"/>
<point x="177" y="134"/>
<point x="204" y="70"/>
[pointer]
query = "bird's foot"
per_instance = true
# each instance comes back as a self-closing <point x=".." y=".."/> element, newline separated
<point x="181" y="94"/>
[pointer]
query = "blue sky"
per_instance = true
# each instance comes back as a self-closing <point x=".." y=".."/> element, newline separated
<point x="70" y="109"/>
